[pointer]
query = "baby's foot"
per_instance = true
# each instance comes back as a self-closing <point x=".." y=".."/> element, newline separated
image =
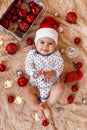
<point x="43" y="105"/>
<point x="41" y="114"/>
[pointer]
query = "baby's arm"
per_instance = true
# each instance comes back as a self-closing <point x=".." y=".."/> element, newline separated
<point x="29" y="63"/>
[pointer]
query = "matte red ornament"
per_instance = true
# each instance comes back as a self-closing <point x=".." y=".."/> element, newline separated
<point x="74" y="88"/>
<point x="2" y="67"/>
<point x="22" y="81"/>
<point x="29" y="41"/>
<point x="45" y="123"/>
<point x="70" y="99"/>
<point x="11" y="48"/>
<point x="71" y="17"/>
<point x="11" y="98"/>
<point x="77" y="40"/>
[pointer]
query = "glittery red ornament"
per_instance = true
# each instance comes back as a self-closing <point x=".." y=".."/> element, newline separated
<point x="29" y="41"/>
<point x="23" y="26"/>
<point x="36" y="10"/>
<point x="71" y="17"/>
<point x="22" y="13"/>
<point x="11" y="98"/>
<point x="22" y="81"/>
<point x="77" y="40"/>
<point x="73" y="76"/>
<point x="30" y="18"/>
<point x="2" y="67"/>
<point x="45" y="123"/>
<point x="5" y="23"/>
<point x="74" y="88"/>
<point x="79" y="75"/>
<point x="11" y="48"/>
<point x="32" y="4"/>
<point x="70" y="99"/>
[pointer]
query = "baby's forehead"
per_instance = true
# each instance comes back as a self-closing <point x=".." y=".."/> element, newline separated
<point x="46" y="39"/>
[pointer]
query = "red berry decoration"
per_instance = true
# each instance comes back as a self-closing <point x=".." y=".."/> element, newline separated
<point x="30" y="18"/>
<point x="70" y="99"/>
<point x="36" y="10"/>
<point x="77" y="40"/>
<point x="11" y="48"/>
<point x="11" y="98"/>
<point x="71" y="17"/>
<point x="2" y="67"/>
<point x="45" y="123"/>
<point x="74" y="88"/>
<point x="22" y="81"/>
<point x="29" y="41"/>
<point x="23" y="26"/>
<point x="79" y="65"/>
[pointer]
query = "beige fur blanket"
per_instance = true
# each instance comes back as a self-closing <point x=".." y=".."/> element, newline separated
<point x="64" y="116"/>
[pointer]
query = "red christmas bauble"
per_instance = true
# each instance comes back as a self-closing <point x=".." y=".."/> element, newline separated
<point x="29" y="41"/>
<point x="11" y="98"/>
<point x="36" y="10"/>
<point x="77" y="40"/>
<point x="71" y="17"/>
<point x="70" y="99"/>
<point x="32" y="4"/>
<point x="5" y="23"/>
<point x="2" y="67"/>
<point x="79" y="65"/>
<point x="23" y="26"/>
<point x="30" y="18"/>
<point x="45" y="123"/>
<point x="11" y="48"/>
<point x="74" y="88"/>
<point x="22" y="13"/>
<point x="22" y="81"/>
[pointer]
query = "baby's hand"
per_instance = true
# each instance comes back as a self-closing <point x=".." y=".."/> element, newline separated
<point x="48" y="76"/>
<point x="38" y="73"/>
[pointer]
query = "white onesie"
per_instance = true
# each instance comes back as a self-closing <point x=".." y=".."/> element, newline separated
<point x="35" y="61"/>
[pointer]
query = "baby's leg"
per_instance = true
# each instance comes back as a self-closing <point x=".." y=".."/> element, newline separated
<point x="55" y="93"/>
<point x="31" y="95"/>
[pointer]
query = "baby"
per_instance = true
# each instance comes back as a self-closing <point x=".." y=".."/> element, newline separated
<point x="44" y="66"/>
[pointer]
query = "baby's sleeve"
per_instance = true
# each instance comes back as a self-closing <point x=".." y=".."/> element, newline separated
<point x="29" y="63"/>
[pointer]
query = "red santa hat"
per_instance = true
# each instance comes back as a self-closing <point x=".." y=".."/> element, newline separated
<point x="47" y="29"/>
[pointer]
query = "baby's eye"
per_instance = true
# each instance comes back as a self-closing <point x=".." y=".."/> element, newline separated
<point x="42" y="42"/>
<point x="50" y="43"/>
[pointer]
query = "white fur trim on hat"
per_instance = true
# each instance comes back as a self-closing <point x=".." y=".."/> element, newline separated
<point x="46" y="32"/>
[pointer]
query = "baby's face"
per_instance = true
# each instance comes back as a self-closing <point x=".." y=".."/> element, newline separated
<point x="45" y="46"/>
